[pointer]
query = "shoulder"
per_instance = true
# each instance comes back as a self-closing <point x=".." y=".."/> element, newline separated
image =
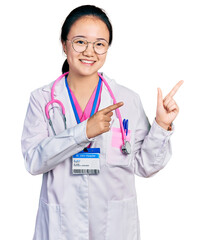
<point x="132" y="102"/>
<point x="45" y="88"/>
<point x="120" y="90"/>
<point x="43" y="93"/>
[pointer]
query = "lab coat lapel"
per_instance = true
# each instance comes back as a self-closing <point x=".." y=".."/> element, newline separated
<point x="62" y="95"/>
<point x="106" y="99"/>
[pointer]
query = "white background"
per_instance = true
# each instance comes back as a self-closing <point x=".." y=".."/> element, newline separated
<point x="156" y="44"/>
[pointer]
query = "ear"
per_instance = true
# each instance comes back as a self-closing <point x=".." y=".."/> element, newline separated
<point x="64" y="47"/>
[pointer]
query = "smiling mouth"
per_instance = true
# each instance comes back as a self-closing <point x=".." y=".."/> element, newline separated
<point x="87" y="62"/>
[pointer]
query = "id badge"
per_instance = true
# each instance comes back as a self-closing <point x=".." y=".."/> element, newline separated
<point x="86" y="161"/>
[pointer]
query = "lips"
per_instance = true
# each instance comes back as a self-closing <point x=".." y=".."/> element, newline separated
<point x="85" y="61"/>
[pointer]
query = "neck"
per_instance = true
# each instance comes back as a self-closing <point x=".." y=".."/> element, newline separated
<point x="79" y="83"/>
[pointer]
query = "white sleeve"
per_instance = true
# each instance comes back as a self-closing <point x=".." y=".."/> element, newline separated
<point x="43" y="153"/>
<point x="152" y="148"/>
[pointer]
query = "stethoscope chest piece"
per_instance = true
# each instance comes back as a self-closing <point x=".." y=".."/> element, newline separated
<point x="126" y="148"/>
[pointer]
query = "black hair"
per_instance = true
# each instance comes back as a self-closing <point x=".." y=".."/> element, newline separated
<point x="84" y="10"/>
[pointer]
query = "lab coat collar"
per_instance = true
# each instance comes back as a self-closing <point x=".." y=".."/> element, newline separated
<point x="60" y="93"/>
<point x="60" y="86"/>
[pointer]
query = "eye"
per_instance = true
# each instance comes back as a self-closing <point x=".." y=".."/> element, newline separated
<point x="100" y="44"/>
<point x="80" y="42"/>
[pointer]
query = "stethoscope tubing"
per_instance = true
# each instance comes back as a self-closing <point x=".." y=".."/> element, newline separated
<point x="116" y="110"/>
<point x="53" y="100"/>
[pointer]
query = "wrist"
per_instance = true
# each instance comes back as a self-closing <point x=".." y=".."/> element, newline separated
<point x="167" y="127"/>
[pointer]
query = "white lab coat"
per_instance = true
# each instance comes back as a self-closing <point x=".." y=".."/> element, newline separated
<point x="90" y="207"/>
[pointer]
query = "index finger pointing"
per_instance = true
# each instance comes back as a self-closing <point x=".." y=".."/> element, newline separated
<point x="112" y="107"/>
<point x="175" y="89"/>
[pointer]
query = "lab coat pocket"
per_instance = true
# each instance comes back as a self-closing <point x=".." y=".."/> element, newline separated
<point x="122" y="220"/>
<point x="115" y="156"/>
<point x="48" y="223"/>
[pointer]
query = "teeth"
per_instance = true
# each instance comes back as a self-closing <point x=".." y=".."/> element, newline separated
<point x="86" y="61"/>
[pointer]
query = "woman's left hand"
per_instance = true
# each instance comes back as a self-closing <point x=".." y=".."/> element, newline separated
<point x="167" y="109"/>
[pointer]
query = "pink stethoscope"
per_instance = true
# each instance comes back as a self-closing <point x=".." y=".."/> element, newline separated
<point x="126" y="147"/>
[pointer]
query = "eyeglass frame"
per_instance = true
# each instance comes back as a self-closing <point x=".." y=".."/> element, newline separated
<point x="88" y="45"/>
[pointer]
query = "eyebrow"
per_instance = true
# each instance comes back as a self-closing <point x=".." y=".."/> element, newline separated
<point x="79" y="36"/>
<point x="85" y="37"/>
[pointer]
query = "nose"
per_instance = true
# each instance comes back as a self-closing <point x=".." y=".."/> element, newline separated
<point x="89" y="50"/>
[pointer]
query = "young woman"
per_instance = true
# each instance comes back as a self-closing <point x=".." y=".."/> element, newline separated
<point x="87" y="146"/>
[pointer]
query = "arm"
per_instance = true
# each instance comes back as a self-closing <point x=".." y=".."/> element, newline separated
<point x="42" y="152"/>
<point x="152" y="149"/>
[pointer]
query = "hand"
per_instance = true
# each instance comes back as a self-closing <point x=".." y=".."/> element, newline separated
<point x="100" y="121"/>
<point x="167" y="109"/>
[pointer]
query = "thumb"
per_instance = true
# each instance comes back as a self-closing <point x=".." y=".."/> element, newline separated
<point x="159" y="97"/>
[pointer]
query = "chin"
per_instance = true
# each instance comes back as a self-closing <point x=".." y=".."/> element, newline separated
<point x="88" y="72"/>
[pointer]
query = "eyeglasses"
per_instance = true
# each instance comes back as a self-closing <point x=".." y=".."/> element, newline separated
<point x="80" y="45"/>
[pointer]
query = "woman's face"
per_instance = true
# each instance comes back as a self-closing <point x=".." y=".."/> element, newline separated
<point x="88" y="62"/>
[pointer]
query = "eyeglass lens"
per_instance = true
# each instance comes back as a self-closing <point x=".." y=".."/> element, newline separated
<point x="81" y="44"/>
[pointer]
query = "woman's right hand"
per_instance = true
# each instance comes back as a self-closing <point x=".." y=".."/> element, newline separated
<point x="100" y="122"/>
